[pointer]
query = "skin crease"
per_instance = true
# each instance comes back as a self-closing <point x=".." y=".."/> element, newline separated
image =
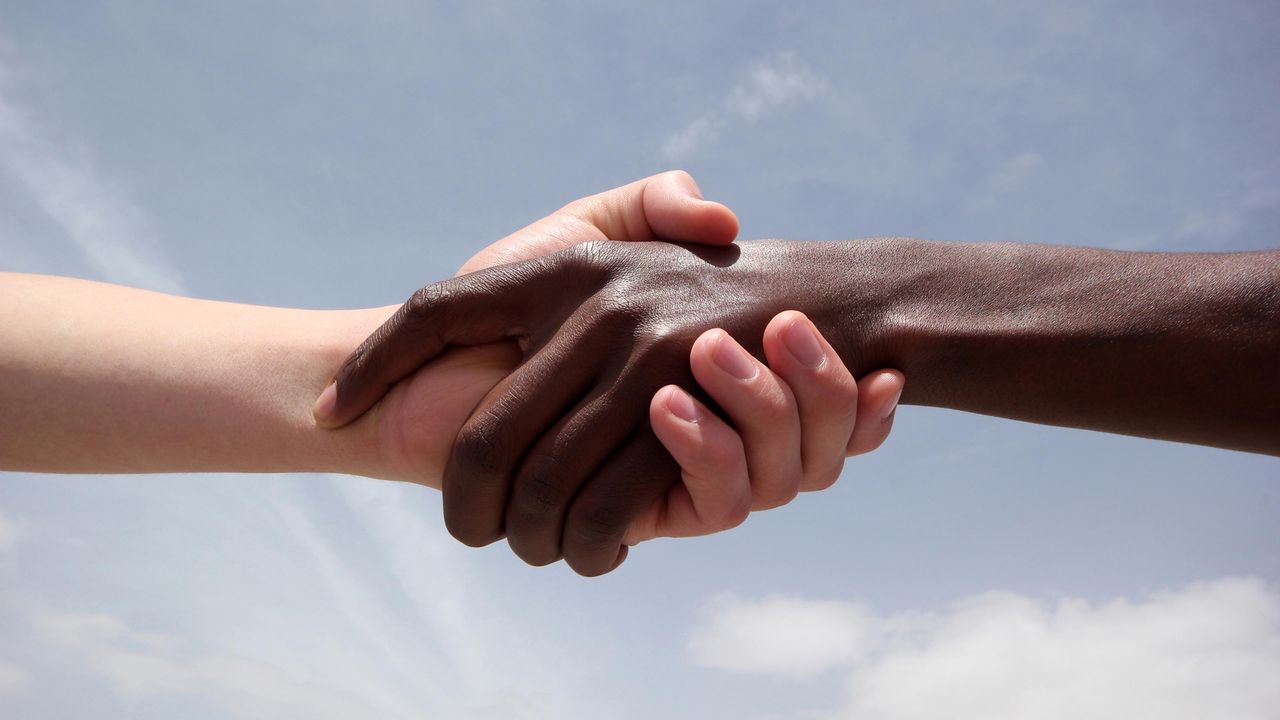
<point x="1136" y="343"/>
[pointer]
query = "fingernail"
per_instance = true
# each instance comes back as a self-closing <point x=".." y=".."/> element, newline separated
<point x="325" y="404"/>
<point x="803" y="344"/>
<point x="682" y="406"/>
<point x="890" y="406"/>
<point x="733" y="359"/>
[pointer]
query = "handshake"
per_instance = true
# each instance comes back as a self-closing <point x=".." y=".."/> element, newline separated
<point x="620" y="370"/>
<point x="627" y="400"/>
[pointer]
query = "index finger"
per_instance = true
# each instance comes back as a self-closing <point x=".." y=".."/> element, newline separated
<point x="480" y="307"/>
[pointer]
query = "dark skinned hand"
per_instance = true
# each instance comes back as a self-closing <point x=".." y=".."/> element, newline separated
<point x="564" y="442"/>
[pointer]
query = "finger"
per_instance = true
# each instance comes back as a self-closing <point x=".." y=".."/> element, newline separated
<point x="715" y="494"/>
<point x="877" y="405"/>
<point x="560" y="463"/>
<point x="667" y="206"/>
<point x="762" y="410"/>
<point x="632" y="479"/>
<point x="825" y="392"/>
<point x="467" y="310"/>
<point x="492" y="443"/>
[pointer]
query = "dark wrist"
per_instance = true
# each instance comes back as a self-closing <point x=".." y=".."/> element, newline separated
<point x="853" y="291"/>
<point x="909" y="304"/>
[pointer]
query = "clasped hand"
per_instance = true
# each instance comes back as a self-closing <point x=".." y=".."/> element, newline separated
<point x="632" y="413"/>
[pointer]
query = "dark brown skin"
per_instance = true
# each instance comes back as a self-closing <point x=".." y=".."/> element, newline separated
<point x="560" y="456"/>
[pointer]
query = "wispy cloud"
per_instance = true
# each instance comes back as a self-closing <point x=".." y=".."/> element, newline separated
<point x="393" y="623"/>
<point x="693" y="136"/>
<point x="112" y="233"/>
<point x="485" y="669"/>
<point x="771" y="83"/>
<point x="1208" y="650"/>
<point x="767" y="85"/>
<point x="140" y="664"/>
<point x="417" y="626"/>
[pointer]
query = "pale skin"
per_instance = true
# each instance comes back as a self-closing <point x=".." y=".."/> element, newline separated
<point x="106" y="379"/>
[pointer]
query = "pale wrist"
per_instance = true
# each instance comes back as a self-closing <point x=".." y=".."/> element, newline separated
<point x="325" y="340"/>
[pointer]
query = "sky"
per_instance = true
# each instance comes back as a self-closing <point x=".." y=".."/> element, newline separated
<point x="330" y="155"/>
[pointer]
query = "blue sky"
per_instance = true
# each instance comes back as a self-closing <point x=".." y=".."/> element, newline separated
<point x="321" y="155"/>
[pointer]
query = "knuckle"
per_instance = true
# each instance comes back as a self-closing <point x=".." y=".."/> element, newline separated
<point x="841" y="390"/>
<point x="678" y="174"/>
<point x="529" y="549"/>
<point x="598" y="524"/>
<point x="477" y="449"/>
<point x="470" y="534"/>
<point x="722" y="454"/>
<point x="764" y="502"/>
<point x="536" y="558"/>
<point x="771" y="495"/>
<point x="418" y="319"/>
<point x="771" y="407"/>
<point x="473" y="538"/>
<point x="660" y="348"/>
<point x="871" y="441"/>
<point x="426" y="300"/>
<point x="735" y="514"/>
<point x="665" y="338"/>
<point x="587" y="568"/>
<point x="835" y="398"/>
<point x="785" y="496"/>
<point x="357" y="364"/>
<point x="575" y="208"/>
<point x="611" y="313"/>
<point x="592" y="254"/>
<point x="538" y="491"/>
<point x="824" y="479"/>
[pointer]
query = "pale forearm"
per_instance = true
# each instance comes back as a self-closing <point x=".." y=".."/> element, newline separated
<point x="101" y="378"/>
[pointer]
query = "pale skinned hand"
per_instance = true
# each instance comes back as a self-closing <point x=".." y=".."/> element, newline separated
<point x="794" y="422"/>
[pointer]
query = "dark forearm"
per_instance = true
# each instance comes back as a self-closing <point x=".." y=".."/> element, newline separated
<point x="1177" y="346"/>
<point x="1174" y="346"/>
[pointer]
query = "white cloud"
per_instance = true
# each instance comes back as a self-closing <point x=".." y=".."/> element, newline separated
<point x="13" y="679"/>
<point x="773" y="82"/>
<point x="768" y="84"/>
<point x="781" y="635"/>
<point x="1208" y="650"/>
<point x="111" y="232"/>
